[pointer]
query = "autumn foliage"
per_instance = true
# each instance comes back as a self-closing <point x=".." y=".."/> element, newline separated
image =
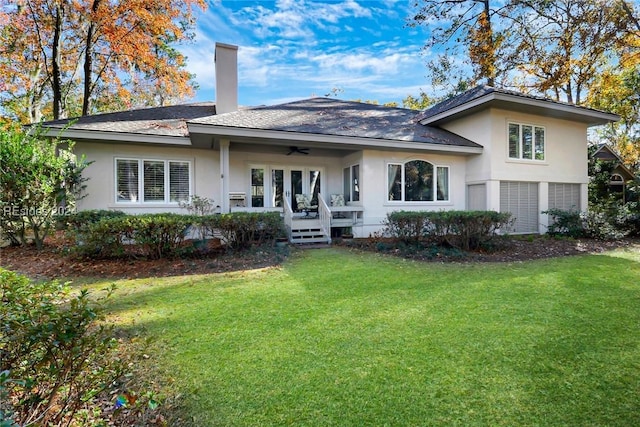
<point x="66" y="58"/>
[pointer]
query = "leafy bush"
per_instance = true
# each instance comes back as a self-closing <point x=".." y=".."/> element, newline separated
<point x="460" y="229"/>
<point x="565" y="223"/>
<point x="159" y="235"/>
<point x="39" y="180"/>
<point x="152" y="236"/>
<point x="607" y="224"/>
<point x="56" y="355"/>
<point x="466" y="229"/>
<point x="242" y="229"/>
<point x="162" y="235"/>
<point x="407" y="226"/>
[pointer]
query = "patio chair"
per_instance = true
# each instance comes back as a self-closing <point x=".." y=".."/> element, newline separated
<point x="337" y="200"/>
<point x="303" y="201"/>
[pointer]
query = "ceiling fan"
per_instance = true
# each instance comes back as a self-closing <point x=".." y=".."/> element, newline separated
<point x="297" y="150"/>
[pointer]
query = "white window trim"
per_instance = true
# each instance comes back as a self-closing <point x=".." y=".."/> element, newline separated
<point x="520" y="142"/>
<point x="152" y="203"/>
<point x="349" y="197"/>
<point x="448" y="201"/>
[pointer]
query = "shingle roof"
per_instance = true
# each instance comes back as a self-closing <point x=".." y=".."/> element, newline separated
<point x="483" y="90"/>
<point x="161" y="121"/>
<point x="327" y="116"/>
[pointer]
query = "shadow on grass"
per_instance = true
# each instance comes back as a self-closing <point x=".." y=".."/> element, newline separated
<point x="354" y="335"/>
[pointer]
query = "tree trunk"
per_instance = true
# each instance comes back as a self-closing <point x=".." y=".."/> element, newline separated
<point x="56" y="78"/>
<point x="489" y="39"/>
<point x="88" y="59"/>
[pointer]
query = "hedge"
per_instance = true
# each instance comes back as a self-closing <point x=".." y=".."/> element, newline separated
<point x="460" y="229"/>
<point x="158" y="236"/>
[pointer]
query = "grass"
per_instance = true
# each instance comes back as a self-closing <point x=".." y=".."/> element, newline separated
<point x="340" y="338"/>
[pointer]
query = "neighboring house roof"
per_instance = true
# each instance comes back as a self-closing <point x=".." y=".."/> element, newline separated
<point x="159" y="124"/>
<point x="606" y="153"/>
<point x="482" y="97"/>
<point x="330" y="117"/>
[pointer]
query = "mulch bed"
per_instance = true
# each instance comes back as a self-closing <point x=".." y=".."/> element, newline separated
<point x="55" y="262"/>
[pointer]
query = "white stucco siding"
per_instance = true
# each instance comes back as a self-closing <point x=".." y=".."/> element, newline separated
<point x="477" y="128"/>
<point x="565" y="151"/>
<point x="374" y="194"/>
<point x="565" y="155"/>
<point x="205" y="175"/>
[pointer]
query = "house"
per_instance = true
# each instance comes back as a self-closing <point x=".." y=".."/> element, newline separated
<point x="620" y="174"/>
<point x="486" y="149"/>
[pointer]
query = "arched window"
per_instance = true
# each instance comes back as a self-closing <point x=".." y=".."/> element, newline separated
<point x="616" y="183"/>
<point x="417" y="181"/>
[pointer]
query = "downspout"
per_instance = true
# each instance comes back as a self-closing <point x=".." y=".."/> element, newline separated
<point x="224" y="175"/>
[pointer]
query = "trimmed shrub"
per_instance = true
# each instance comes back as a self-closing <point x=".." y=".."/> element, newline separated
<point x="407" y="226"/>
<point x="241" y="230"/>
<point x="158" y="236"/>
<point x="466" y="230"/>
<point x="460" y="229"/>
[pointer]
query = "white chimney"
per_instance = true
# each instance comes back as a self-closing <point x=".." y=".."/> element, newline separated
<point x="226" y="60"/>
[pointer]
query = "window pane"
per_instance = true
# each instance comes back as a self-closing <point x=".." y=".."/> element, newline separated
<point x="355" y="176"/>
<point x="153" y="181"/>
<point x="346" y="184"/>
<point x="257" y="187"/>
<point x="314" y="186"/>
<point x="527" y="142"/>
<point x="277" y="187"/>
<point x="127" y="180"/>
<point x="418" y="181"/>
<point x="443" y="183"/>
<point x="539" y="143"/>
<point x="178" y="181"/>
<point x="514" y="141"/>
<point x="394" y="179"/>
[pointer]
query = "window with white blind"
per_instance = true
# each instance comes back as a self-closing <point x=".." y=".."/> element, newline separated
<point x="152" y="181"/>
<point x="521" y="200"/>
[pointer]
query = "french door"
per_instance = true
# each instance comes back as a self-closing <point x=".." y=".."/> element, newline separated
<point x="284" y="182"/>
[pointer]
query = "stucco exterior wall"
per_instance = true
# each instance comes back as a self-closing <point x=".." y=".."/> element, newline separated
<point x="205" y="175"/>
<point x="566" y="148"/>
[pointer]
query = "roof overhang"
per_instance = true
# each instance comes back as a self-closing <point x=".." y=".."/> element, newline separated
<point x="125" y="137"/>
<point x="279" y="137"/>
<point x="524" y="104"/>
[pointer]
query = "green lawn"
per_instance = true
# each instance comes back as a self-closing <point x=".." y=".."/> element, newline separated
<point x="340" y="338"/>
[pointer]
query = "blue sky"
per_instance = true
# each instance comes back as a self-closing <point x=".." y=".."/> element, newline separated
<point x="294" y="49"/>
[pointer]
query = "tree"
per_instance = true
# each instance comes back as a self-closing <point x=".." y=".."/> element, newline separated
<point x="76" y="58"/>
<point x="39" y="179"/>
<point x="618" y="91"/>
<point x="421" y="103"/>
<point x="562" y="45"/>
<point x="468" y="23"/>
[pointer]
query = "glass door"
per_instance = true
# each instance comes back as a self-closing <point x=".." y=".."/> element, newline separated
<point x="287" y="182"/>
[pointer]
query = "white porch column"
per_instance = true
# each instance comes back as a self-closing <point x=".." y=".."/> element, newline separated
<point x="493" y="195"/>
<point x="224" y="175"/>
<point x="584" y="197"/>
<point x="543" y="205"/>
